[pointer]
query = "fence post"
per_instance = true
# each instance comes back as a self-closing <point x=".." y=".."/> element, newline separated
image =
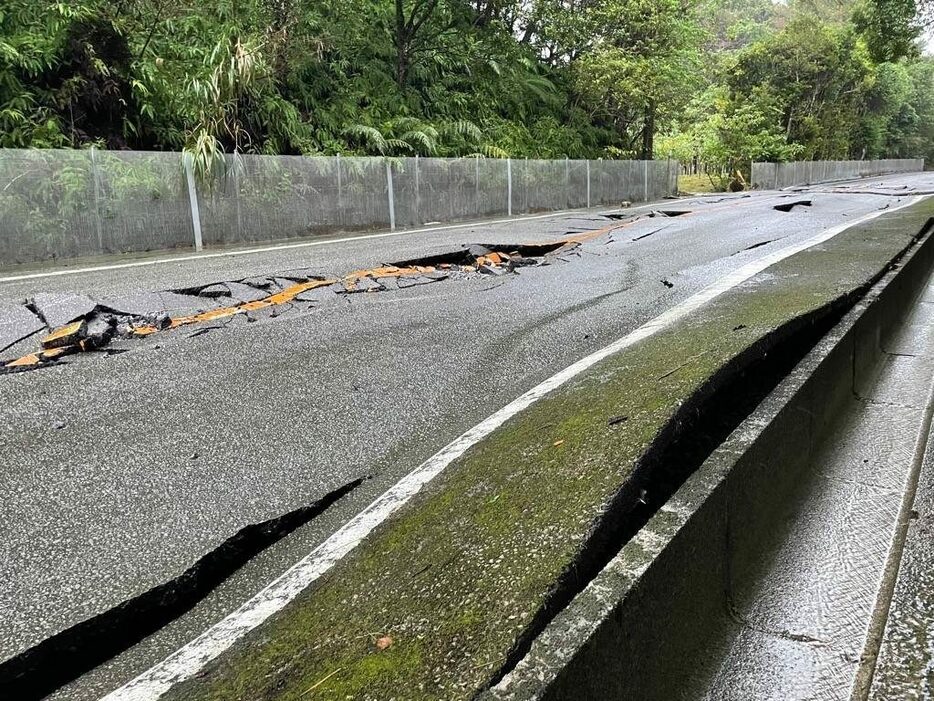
<point x="645" y="179"/>
<point x="193" y="201"/>
<point x="588" y="183"/>
<point x="340" y="201"/>
<point x="235" y="158"/>
<point x="476" y="159"/>
<point x="509" y="187"/>
<point x="97" y="200"/>
<point x="567" y="183"/>
<point x="418" y="201"/>
<point x="392" y="204"/>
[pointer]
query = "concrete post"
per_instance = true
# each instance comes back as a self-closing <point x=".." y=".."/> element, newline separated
<point x="588" y="183"/>
<point x="235" y="165"/>
<point x="98" y="223"/>
<point x="340" y="196"/>
<point x="193" y="202"/>
<point x="645" y="179"/>
<point x="392" y="203"/>
<point x="509" y="187"/>
<point x="418" y="200"/>
<point x="567" y="183"/>
<point x="476" y="159"/>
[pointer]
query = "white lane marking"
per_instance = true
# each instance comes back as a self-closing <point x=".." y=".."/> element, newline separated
<point x="190" y="659"/>
<point x="303" y="244"/>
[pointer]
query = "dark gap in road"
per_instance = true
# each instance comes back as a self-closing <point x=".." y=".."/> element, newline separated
<point x="34" y="308"/>
<point x="469" y="254"/>
<point x="669" y="212"/>
<point x="755" y="245"/>
<point x="788" y="206"/>
<point x="64" y="657"/>
<point x="622" y="216"/>
<point x="653" y="231"/>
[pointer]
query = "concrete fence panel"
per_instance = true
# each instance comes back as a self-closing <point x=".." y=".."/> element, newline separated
<point x="61" y="204"/>
<point x="774" y="176"/>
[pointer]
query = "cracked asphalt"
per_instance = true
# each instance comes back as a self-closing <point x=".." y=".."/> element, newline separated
<point x="119" y="471"/>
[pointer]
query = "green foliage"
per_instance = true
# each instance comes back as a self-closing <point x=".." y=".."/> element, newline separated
<point x="810" y="90"/>
<point x="727" y="81"/>
<point x="278" y="76"/>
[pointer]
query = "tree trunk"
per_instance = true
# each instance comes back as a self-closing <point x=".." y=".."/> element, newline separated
<point x="648" y="132"/>
<point x="402" y="59"/>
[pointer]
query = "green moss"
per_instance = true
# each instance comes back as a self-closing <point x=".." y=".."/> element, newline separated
<point x="458" y="575"/>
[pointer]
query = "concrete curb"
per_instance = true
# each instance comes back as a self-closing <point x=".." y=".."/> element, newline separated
<point x="650" y="607"/>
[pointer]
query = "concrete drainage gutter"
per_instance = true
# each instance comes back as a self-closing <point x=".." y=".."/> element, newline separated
<point x="628" y="633"/>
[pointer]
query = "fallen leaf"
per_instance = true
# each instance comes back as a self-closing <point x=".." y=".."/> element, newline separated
<point x="557" y="443"/>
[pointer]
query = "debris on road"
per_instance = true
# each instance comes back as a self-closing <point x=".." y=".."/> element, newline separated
<point x="145" y="313"/>
<point x="66" y="335"/>
<point x="89" y="325"/>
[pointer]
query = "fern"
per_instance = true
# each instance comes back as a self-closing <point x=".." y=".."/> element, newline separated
<point x="491" y="151"/>
<point x="370" y="136"/>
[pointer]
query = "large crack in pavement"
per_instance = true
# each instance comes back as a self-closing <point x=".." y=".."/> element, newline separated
<point x="76" y="323"/>
<point x="63" y="657"/>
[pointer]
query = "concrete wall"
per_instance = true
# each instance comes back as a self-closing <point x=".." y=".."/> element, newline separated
<point x="60" y="204"/>
<point x="773" y="176"/>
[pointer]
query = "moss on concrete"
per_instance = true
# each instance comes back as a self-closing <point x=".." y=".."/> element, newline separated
<point x="458" y="575"/>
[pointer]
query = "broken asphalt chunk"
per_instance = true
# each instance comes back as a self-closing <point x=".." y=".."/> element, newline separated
<point x="62" y="308"/>
<point x="98" y="333"/>
<point x="476" y="250"/>
<point x="214" y="291"/>
<point x="412" y="281"/>
<point x="262" y="283"/>
<point x="318" y="294"/>
<point x="152" y="303"/>
<point x="362" y="284"/>
<point x="283" y="283"/>
<point x="241" y="292"/>
<point x="65" y="336"/>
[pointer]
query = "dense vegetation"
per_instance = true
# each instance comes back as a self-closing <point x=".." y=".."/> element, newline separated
<point x="724" y="81"/>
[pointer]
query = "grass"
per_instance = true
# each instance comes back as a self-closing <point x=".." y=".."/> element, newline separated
<point x="696" y="183"/>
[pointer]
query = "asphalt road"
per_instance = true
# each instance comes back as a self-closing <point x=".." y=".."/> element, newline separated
<point x="119" y="471"/>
